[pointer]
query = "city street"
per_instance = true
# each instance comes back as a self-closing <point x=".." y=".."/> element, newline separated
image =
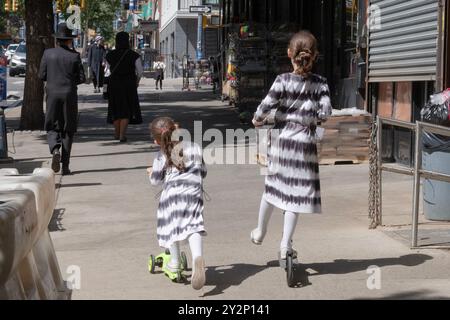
<point x="105" y="217"/>
<point x="16" y="85"/>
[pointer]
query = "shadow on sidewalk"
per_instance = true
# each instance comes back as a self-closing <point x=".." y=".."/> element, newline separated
<point x="109" y="170"/>
<point x="77" y="185"/>
<point x="412" y="295"/>
<point x="137" y="151"/>
<point x="223" y="277"/>
<point x="177" y="105"/>
<point x="343" y="266"/>
<point x="56" y="220"/>
<point x="23" y="166"/>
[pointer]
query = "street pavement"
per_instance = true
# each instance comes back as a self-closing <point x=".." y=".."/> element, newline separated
<point x="15" y="85"/>
<point x="105" y="218"/>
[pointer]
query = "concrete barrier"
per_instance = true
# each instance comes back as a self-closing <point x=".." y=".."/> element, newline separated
<point x="42" y="183"/>
<point x="28" y="265"/>
<point x="6" y="172"/>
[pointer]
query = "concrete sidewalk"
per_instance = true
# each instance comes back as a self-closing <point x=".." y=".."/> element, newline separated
<point x="105" y="219"/>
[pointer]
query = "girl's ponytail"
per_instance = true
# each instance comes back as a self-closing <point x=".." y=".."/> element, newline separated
<point x="163" y="130"/>
<point x="303" y="48"/>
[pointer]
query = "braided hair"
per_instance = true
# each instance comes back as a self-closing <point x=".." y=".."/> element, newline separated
<point x="304" y="52"/>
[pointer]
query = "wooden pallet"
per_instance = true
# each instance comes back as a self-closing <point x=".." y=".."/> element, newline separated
<point x="262" y="161"/>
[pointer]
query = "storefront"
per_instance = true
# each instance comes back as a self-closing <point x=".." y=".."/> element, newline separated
<point x="256" y="34"/>
<point x="405" y="66"/>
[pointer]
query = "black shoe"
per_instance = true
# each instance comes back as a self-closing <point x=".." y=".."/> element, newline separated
<point x="56" y="161"/>
<point x="66" y="171"/>
<point x="124" y="139"/>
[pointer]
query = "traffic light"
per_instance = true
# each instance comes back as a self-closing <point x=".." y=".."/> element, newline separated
<point x="7" y="5"/>
<point x="15" y="5"/>
<point x="59" y="5"/>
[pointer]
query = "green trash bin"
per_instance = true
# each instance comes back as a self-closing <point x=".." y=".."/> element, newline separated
<point x="436" y="194"/>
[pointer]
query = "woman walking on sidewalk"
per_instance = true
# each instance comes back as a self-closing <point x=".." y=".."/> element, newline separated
<point x="179" y="167"/>
<point x="301" y="100"/>
<point x="123" y="102"/>
<point x="159" y="66"/>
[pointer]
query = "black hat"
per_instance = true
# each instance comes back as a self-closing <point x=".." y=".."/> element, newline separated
<point x="122" y="40"/>
<point x="64" y="32"/>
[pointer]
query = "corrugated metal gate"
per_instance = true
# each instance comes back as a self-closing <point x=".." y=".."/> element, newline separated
<point x="403" y="40"/>
<point x="211" y="42"/>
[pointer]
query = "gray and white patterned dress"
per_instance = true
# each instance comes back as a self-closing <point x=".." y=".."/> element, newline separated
<point x="180" y="210"/>
<point x="293" y="182"/>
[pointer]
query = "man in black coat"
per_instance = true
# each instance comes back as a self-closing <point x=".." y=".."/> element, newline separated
<point x="62" y="69"/>
<point x="96" y="60"/>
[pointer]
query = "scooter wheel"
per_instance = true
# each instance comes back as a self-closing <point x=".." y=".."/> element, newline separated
<point x="179" y="278"/>
<point x="184" y="263"/>
<point x="151" y="264"/>
<point x="290" y="270"/>
<point x="159" y="262"/>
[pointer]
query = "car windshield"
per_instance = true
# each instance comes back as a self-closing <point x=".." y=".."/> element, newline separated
<point x="13" y="47"/>
<point x="21" y="49"/>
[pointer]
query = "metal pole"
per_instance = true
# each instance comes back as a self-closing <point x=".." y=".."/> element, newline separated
<point x="380" y="163"/>
<point x="200" y="37"/>
<point x="416" y="190"/>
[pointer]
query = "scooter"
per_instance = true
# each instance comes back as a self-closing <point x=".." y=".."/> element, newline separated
<point x="162" y="261"/>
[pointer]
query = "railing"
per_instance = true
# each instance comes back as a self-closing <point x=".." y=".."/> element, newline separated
<point x="416" y="170"/>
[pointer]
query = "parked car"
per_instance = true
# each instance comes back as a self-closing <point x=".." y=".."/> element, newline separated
<point x="10" y="51"/>
<point x="18" y="62"/>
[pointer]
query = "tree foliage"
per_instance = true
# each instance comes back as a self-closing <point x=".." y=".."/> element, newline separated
<point x="97" y="15"/>
<point x="13" y="17"/>
<point x="2" y="17"/>
<point x="100" y="16"/>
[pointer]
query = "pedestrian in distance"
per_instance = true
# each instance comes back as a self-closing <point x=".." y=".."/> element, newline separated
<point x="62" y="70"/>
<point x="96" y="60"/>
<point x="180" y="168"/>
<point x="214" y="73"/>
<point x="159" y="66"/>
<point x="301" y="100"/>
<point x="125" y="68"/>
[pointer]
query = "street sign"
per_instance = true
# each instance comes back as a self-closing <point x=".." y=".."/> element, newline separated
<point x="200" y="9"/>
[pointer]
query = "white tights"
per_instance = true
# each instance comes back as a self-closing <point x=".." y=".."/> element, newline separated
<point x="290" y="222"/>
<point x="195" y="244"/>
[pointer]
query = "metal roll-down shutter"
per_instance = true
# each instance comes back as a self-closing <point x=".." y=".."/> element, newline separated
<point x="403" y="40"/>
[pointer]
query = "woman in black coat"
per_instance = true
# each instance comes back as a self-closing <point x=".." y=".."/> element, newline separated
<point x="126" y="71"/>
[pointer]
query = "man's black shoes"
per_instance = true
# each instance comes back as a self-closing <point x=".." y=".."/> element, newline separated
<point x="56" y="161"/>
<point x="66" y="171"/>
